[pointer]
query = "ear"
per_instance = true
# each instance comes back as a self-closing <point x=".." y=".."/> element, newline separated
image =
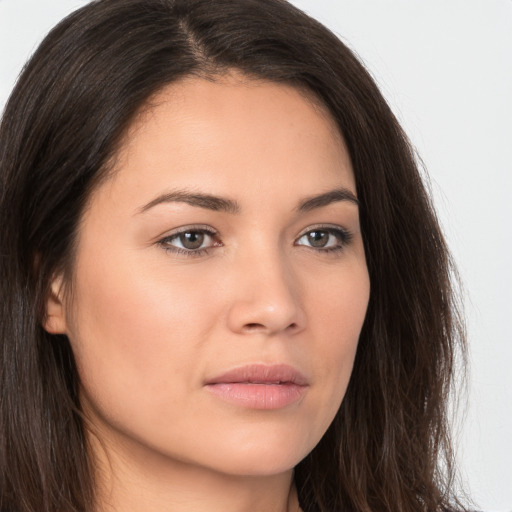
<point x="54" y="321"/>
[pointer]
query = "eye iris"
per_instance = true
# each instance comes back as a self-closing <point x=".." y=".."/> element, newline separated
<point x="318" y="238"/>
<point x="192" y="239"/>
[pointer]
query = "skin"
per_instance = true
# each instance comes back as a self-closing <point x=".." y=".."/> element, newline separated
<point x="149" y="325"/>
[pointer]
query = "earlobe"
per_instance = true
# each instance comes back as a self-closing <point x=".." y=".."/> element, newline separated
<point x="54" y="321"/>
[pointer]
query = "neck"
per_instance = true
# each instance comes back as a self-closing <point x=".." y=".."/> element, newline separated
<point x="145" y="483"/>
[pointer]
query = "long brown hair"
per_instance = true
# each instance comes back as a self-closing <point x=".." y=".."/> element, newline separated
<point x="388" y="448"/>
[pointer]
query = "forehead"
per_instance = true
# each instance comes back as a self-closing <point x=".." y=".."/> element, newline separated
<point x="229" y="134"/>
<point x="219" y="94"/>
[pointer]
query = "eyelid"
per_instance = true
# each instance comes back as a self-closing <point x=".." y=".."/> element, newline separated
<point x="190" y="227"/>
<point x="325" y="227"/>
<point x="343" y="234"/>
<point x="175" y="233"/>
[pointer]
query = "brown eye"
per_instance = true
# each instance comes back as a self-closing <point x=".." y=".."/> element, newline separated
<point x="325" y="239"/>
<point x="192" y="240"/>
<point x="318" y="238"/>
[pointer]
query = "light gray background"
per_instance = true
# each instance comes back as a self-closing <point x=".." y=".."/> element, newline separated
<point x="445" y="66"/>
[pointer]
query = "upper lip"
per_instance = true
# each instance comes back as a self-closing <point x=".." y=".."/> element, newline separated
<point x="261" y="374"/>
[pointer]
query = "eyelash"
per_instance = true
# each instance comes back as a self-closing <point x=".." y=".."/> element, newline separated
<point x="342" y="235"/>
<point x="205" y="230"/>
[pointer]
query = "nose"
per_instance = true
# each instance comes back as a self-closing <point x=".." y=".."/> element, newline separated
<point x="266" y="298"/>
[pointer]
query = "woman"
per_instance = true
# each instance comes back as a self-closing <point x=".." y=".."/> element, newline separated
<point x="224" y="286"/>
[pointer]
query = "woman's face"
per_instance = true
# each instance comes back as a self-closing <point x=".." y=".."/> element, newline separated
<point x="220" y="281"/>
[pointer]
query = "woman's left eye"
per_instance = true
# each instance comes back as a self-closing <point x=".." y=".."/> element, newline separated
<point x="325" y="239"/>
<point x="192" y="241"/>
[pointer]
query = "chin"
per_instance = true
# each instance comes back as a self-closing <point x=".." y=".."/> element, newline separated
<point x="257" y="466"/>
<point x="258" y="458"/>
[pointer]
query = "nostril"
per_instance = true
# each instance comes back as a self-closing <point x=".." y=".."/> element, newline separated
<point x="253" y="326"/>
<point x="259" y="327"/>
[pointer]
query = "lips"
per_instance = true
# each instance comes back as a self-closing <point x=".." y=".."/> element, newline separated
<point x="260" y="386"/>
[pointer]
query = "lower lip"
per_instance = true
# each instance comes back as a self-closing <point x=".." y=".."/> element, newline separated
<point x="259" y="396"/>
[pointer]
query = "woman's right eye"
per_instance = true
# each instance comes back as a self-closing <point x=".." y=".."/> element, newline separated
<point x="190" y="241"/>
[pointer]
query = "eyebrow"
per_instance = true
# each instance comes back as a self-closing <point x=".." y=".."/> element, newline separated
<point x="222" y="204"/>
<point x="327" y="198"/>
<point x="207" y="201"/>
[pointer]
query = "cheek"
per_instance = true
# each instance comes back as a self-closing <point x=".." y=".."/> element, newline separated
<point x="129" y="335"/>
<point x="338" y="316"/>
